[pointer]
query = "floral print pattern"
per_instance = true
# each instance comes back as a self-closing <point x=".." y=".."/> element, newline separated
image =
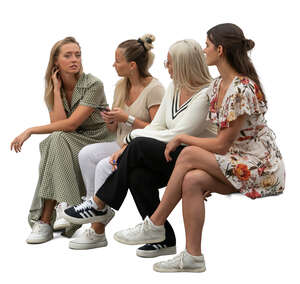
<point x="253" y="163"/>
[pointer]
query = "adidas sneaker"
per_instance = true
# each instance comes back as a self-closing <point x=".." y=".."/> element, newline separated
<point x="87" y="212"/>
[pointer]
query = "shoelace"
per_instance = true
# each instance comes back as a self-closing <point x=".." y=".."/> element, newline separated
<point x="90" y="233"/>
<point x="145" y="226"/>
<point x="85" y="205"/>
<point x="37" y="227"/>
<point x="176" y="258"/>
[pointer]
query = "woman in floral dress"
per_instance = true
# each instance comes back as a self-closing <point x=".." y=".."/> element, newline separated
<point x="242" y="158"/>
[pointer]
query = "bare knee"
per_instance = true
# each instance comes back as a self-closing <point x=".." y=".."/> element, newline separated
<point x="185" y="157"/>
<point x="194" y="182"/>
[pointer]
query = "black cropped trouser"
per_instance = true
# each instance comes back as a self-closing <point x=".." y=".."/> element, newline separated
<point x="143" y="169"/>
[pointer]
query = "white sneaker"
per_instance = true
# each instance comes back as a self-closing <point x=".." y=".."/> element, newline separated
<point x="41" y="233"/>
<point x="183" y="262"/>
<point x="89" y="239"/>
<point x="61" y="223"/>
<point x="142" y="233"/>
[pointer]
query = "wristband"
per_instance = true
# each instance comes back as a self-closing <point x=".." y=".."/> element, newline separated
<point x="130" y="120"/>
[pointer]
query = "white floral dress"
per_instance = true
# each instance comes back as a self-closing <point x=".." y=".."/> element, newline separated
<point x="253" y="163"/>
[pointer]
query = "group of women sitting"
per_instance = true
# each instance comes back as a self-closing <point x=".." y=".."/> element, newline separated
<point x="201" y="135"/>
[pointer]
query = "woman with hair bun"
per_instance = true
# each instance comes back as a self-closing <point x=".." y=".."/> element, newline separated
<point x="72" y="98"/>
<point x="142" y="166"/>
<point x="136" y="100"/>
<point x="242" y="158"/>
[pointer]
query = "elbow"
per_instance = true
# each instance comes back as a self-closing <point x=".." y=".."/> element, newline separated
<point x="70" y="127"/>
<point x="223" y="148"/>
<point x="222" y="151"/>
<point x="73" y="127"/>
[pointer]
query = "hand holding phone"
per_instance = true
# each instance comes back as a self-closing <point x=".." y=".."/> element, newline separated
<point x="105" y="114"/>
<point x="103" y="108"/>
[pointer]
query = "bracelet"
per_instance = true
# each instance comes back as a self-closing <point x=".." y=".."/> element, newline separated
<point x="130" y="120"/>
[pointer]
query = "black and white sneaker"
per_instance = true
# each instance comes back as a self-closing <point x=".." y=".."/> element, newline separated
<point x="154" y="250"/>
<point x="87" y="212"/>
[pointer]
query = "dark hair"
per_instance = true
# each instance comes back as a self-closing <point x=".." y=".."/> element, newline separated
<point x="235" y="47"/>
<point x="135" y="51"/>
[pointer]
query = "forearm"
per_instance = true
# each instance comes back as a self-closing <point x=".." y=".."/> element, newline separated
<point x="213" y="145"/>
<point x="58" y="111"/>
<point x="61" y="125"/>
<point x="137" y="124"/>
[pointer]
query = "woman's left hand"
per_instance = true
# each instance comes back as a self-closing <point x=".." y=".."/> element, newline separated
<point x="117" y="114"/>
<point x="171" y="146"/>
<point x="115" y="156"/>
<point x="17" y="143"/>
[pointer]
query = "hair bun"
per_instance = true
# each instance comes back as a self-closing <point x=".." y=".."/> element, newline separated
<point x="147" y="40"/>
<point x="249" y="44"/>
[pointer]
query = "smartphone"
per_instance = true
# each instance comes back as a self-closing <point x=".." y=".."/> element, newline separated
<point x="54" y="70"/>
<point x="103" y="108"/>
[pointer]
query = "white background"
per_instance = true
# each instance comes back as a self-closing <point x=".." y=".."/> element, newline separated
<point x="244" y="241"/>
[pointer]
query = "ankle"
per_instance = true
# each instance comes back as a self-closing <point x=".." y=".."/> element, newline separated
<point x="99" y="203"/>
<point x="45" y="220"/>
<point x="156" y="221"/>
<point x="194" y="252"/>
<point x="99" y="228"/>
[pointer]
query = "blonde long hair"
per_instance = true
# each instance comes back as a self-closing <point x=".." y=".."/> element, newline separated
<point x="139" y="51"/>
<point x="190" y="70"/>
<point x="49" y="88"/>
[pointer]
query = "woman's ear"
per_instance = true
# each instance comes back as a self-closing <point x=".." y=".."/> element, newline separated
<point x="132" y="65"/>
<point x="220" y="50"/>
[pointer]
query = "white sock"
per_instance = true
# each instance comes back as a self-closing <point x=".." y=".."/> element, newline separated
<point x="155" y="226"/>
<point x="94" y="204"/>
<point x="196" y="257"/>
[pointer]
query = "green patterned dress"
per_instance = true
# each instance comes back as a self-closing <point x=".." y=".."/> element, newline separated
<point x="59" y="172"/>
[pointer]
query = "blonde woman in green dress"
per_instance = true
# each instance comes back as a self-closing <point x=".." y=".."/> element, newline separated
<point x="72" y="98"/>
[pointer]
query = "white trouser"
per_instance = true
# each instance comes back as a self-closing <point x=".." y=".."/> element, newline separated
<point x="95" y="166"/>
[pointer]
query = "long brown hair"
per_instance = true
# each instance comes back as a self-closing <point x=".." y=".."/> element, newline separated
<point x="139" y="51"/>
<point x="49" y="88"/>
<point x="235" y="47"/>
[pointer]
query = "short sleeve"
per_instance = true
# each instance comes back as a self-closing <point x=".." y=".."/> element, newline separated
<point x="246" y="98"/>
<point x="155" y="96"/>
<point x="94" y="95"/>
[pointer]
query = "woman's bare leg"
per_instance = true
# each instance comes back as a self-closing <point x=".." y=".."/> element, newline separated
<point x="195" y="184"/>
<point x="189" y="159"/>
<point x="99" y="202"/>
<point x="48" y="210"/>
<point x="98" y="227"/>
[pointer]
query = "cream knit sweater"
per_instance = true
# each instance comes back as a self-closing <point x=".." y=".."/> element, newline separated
<point x="171" y="120"/>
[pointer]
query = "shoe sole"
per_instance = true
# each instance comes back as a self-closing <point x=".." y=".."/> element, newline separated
<point x="157" y="269"/>
<point x="142" y="242"/>
<point x="97" y="219"/>
<point x="77" y="246"/>
<point x="155" y="253"/>
<point x="60" y="227"/>
<point x="38" y="241"/>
